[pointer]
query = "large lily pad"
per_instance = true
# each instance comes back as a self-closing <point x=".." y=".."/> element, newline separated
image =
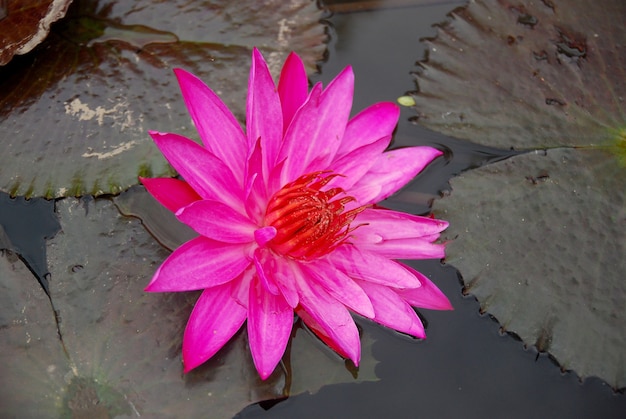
<point x="120" y="349"/>
<point x="158" y="220"/>
<point x="540" y="238"/>
<point x="75" y="111"/>
<point x="25" y="23"/>
<point x="30" y="348"/>
<point x="541" y="243"/>
<point x="527" y="74"/>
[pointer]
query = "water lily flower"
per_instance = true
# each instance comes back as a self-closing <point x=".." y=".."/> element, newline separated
<point x="287" y="218"/>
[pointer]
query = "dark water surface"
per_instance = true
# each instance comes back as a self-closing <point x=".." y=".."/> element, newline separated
<point x="25" y="224"/>
<point x="466" y="368"/>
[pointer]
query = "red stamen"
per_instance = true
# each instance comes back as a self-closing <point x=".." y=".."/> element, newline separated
<point x="309" y="223"/>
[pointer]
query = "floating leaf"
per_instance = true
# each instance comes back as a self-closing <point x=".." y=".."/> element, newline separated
<point x="158" y="220"/>
<point x="539" y="239"/>
<point x="76" y="110"/>
<point x="123" y="345"/>
<point x="527" y="74"/>
<point x="27" y="23"/>
<point x="32" y="362"/>
<point x="541" y="244"/>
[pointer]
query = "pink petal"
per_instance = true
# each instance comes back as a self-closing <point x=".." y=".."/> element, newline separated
<point x="388" y="224"/>
<point x="295" y="146"/>
<point x="255" y="188"/>
<point x="219" y="130"/>
<point x="372" y="267"/>
<point x="263" y="235"/>
<point x="319" y="331"/>
<point x="293" y="87"/>
<point x="261" y="257"/>
<point x="215" y="318"/>
<point x="274" y="183"/>
<point x="278" y="272"/>
<point x="369" y="125"/>
<point x="270" y="320"/>
<point x="264" y="115"/>
<point x="426" y="296"/>
<point x="284" y="278"/>
<point x="172" y="193"/>
<point x="392" y="311"/>
<point x="411" y="248"/>
<point x="204" y="172"/>
<point x="217" y="221"/>
<point x="355" y="164"/>
<point x="241" y="292"/>
<point x="391" y="171"/>
<point x="431" y="237"/>
<point x="339" y="286"/>
<point x="200" y="263"/>
<point x="317" y="128"/>
<point x="333" y="322"/>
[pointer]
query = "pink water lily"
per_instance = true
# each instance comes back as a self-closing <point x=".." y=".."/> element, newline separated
<point x="287" y="219"/>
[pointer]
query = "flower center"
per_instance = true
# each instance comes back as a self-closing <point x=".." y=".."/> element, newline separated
<point x="308" y="222"/>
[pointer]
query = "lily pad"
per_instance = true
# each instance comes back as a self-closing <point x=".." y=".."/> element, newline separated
<point x="75" y="111"/>
<point x="123" y="345"/>
<point x="33" y="365"/>
<point x="25" y="23"/>
<point x="527" y="74"/>
<point x="539" y="238"/>
<point x="158" y="220"/>
<point x="541" y="244"/>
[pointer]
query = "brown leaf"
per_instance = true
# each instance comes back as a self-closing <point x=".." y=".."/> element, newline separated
<point x="26" y="24"/>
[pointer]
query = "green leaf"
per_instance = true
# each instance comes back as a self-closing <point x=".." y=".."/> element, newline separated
<point x="527" y="74"/>
<point x="540" y="241"/>
<point x="539" y="238"/>
<point x="158" y="220"/>
<point x="32" y="362"/>
<point x="75" y="111"/>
